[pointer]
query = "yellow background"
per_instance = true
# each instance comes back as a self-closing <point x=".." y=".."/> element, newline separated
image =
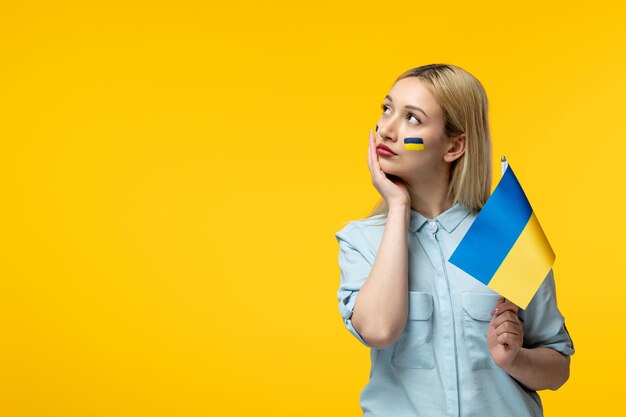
<point x="173" y="175"/>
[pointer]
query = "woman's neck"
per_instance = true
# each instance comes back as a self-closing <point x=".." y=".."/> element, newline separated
<point x="429" y="198"/>
<point x="430" y="209"/>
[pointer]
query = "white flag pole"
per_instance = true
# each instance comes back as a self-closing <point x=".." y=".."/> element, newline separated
<point x="504" y="164"/>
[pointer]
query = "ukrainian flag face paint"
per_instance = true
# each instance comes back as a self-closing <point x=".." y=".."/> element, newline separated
<point x="414" y="144"/>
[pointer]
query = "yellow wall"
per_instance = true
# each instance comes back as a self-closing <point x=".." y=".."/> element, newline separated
<point x="172" y="176"/>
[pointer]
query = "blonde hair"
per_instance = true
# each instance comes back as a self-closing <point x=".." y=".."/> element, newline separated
<point x="465" y="110"/>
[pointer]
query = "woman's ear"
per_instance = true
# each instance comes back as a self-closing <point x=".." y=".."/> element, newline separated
<point x="455" y="148"/>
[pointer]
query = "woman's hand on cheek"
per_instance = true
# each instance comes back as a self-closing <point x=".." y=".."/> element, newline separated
<point x="393" y="190"/>
<point x="505" y="335"/>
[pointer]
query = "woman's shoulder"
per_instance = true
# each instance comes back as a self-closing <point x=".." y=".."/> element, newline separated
<point x="371" y="221"/>
<point x="367" y="229"/>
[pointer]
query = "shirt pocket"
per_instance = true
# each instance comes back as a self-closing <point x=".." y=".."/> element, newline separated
<point x="476" y="318"/>
<point x="414" y="348"/>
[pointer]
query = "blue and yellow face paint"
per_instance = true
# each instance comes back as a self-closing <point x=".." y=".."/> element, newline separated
<point x="414" y="144"/>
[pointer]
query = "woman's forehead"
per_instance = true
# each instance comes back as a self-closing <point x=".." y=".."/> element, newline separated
<point x="412" y="92"/>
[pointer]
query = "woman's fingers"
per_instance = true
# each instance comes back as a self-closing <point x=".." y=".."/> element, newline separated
<point x="509" y="327"/>
<point x="374" y="165"/>
<point x="508" y="339"/>
<point x="504" y="305"/>
<point x="372" y="156"/>
<point x="390" y="189"/>
<point x="505" y="316"/>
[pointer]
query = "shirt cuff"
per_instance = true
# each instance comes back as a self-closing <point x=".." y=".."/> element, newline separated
<point x="346" y="306"/>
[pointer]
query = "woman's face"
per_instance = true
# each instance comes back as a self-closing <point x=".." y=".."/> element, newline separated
<point x="411" y="117"/>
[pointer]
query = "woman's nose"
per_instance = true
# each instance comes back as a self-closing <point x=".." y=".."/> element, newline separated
<point x="387" y="130"/>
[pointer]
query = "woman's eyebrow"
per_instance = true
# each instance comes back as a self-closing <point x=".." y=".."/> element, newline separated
<point x="408" y="106"/>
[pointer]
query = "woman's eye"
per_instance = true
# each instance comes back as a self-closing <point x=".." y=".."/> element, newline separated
<point x="409" y="115"/>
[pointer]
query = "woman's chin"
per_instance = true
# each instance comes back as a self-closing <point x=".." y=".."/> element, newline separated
<point x="388" y="170"/>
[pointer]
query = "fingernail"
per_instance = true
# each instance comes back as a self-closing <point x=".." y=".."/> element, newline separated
<point x="494" y="312"/>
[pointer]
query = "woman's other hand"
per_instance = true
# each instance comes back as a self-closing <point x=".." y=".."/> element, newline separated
<point x="392" y="189"/>
<point x="505" y="335"/>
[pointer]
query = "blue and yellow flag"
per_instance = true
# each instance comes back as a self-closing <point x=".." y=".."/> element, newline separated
<point x="505" y="248"/>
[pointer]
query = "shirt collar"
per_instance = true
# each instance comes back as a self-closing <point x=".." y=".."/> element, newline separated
<point x="449" y="219"/>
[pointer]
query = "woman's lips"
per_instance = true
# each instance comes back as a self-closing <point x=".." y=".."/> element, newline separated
<point x="384" y="151"/>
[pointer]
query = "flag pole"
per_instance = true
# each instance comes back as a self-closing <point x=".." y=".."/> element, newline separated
<point x="505" y="164"/>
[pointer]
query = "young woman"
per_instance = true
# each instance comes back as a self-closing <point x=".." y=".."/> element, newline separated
<point x="442" y="343"/>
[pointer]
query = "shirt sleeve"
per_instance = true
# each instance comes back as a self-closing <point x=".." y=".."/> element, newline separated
<point x="544" y="325"/>
<point x="355" y="268"/>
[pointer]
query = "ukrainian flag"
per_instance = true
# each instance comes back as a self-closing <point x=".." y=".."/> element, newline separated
<point x="414" y="144"/>
<point x="505" y="248"/>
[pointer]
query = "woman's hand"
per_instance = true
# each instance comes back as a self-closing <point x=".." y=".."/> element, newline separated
<point x="393" y="190"/>
<point x="505" y="335"/>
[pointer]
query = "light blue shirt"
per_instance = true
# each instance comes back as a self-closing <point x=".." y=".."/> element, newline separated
<point x="440" y="365"/>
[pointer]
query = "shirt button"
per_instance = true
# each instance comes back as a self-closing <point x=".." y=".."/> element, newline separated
<point x="432" y="224"/>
